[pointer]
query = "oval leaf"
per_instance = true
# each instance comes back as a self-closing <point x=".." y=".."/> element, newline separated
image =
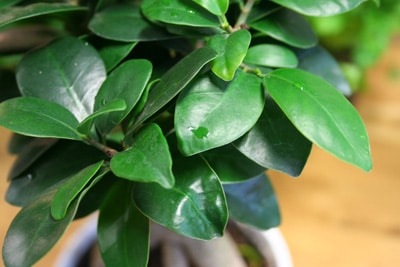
<point x="194" y="207"/>
<point x="33" y="232"/>
<point x="231" y="51"/>
<point x="288" y="27"/>
<point x="113" y="52"/>
<point x="179" y="12"/>
<point x="217" y="7"/>
<point x="253" y="202"/>
<point x="211" y="113"/>
<point x="71" y="189"/>
<point x="271" y="56"/>
<point x="148" y="160"/>
<point x="67" y="71"/>
<point x="318" y="7"/>
<point x="37" y="117"/>
<point x="322" y="114"/>
<point x="123" y="231"/>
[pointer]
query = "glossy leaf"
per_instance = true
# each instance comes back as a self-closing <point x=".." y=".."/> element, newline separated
<point x="288" y="27"/>
<point x="17" y="13"/>
<point x="174" y="80"/>
<point x="211" y="113"/>
<point x="127" y="82"/>
<point x="261" y="10"/>
<point x="275" y="143"/>
<point x="37" y="117"/>
<point x="112" y="106"/>
<point x="217" y="7"/>
<point x="271" y="56"/>
<point x="50" y="170"/>
<point x="123" y="231"/>
<point x="115" y="23"/>
<point x="231" y="50"/>
<point x="318" y="61"/>
<point x="114" y="52"/>
<point x="320" y="7"/>
<point x="253" y="202"/>
<point x="194" y="207"/>
<point x="148" y="160"/>
<point x="322" y="114"/>
<point x="230" y="165"/>
<point x="67" y="193"/>
<point x="67" y="71"/>
<point x="33" y="232"/>
<point x="181" y="12"/>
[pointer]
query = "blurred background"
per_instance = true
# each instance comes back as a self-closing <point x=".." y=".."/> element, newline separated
<point x="333" y="214"/>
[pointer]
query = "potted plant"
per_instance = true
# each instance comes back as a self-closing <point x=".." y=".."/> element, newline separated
<point x="167" y="112"/>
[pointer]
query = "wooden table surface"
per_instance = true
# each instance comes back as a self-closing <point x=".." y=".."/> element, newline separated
<point x="334" y="215"/>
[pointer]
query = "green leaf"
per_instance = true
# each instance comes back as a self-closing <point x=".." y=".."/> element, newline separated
<point x="217" y="7"/>
<point x="174" y="80"/>
<point x="6" y="3"/>
<point x="230" y="165"/>
<point x="320" y="7"/>
<point x="37" y="117"/>
<point x="269" y="55"/>
<point x="123" y="231"/>
<point x="181" y="12"/>
<point x="275" y="143"/>
<point x="113" y="52"/>
<point x="33" y="232"/>
<point x="127" y="82"/>
<point x="322" y="114"/>
<point x="211" y="113"/>
<point x="253" y="202"/>
<point x="148" y="160"/>
<point x="194" y="207"/>
<point x="319" y="62"/>
<point x="50" y="170"/>
<point x="115" y="23"/>
<point x="17" y="13"/>
<point x="67" y="71"/>
<point x="288" y="27"/>
<point x="231" y="50"/>
<point x="71" y="189"/>
<point x="114" y="105"/>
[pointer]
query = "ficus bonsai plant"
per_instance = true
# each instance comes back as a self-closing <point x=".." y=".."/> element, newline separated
<point x="163" y="111"/>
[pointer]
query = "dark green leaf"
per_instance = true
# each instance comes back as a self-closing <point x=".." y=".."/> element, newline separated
<point x="114" y="52"/>
<point x="271" y="56"/>
<point x="322" y="114"/>
<point x="318" y="61"/>
<point x="261" y="10"/>
<point x="231" y="50"/>
<point x="67" y="71"/>
<point x="174" y="80"/>
<point x="148" y="160"/>
<point x="37" y="117"/>
<point x="13" y="14"/>
<point x="253" y="202"/>
<point x="217" y="7"/>
<point x="320" y="7"/>
<point x="67" y="193"/>
<point x="275" y="143"/>
<point x="194" y="207"/>
<point x="181" y="12"/>
<point x="6" y="3"/>
<point x="230" y="165"/>
<point x="127" y="82"/>
<point x="288" y="27"/>
<point x="211" y="113"/>
<point x="115" y="23"/>
<point x="123" y="232"/>
<point x="33" y="232"/>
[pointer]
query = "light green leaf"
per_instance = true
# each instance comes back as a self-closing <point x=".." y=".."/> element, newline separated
<point x="67" y="71"/>
<point x="322" y="114"/>
<point x="217" y="7"/>
<point x="231" y="50"/>
<point x="271" y="56"/>
<point x="37" y="117"/>
<point x="148" y="160"/>
<point x="212" y="113"/>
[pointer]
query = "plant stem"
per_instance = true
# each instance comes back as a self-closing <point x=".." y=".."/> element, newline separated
<point x="244" y="14"/>
<point x="110" y="152"/>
